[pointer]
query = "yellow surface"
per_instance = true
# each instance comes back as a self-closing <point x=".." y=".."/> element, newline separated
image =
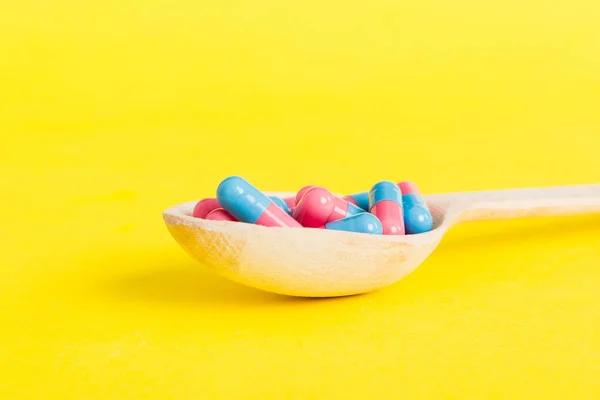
<point x="111" y="111"/>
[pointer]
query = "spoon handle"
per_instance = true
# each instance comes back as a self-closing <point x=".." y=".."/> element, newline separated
<point x="539" y="202"/>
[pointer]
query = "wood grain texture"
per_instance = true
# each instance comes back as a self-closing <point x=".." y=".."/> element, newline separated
<point x="320" y="263"/>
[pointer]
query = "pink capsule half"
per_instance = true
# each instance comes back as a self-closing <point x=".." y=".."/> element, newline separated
<point x="204" y="207"/>
<point x="390" y="215"/>
<point x="220" y="215"/>
<point x="318" y="207"/>
<point x="408" y="187"/>
<point x="314" y="208"/>
<point x="417" y="217"/>
<point x="350" y="200"/>
<point x="302" y="191"/>
<point x="291" y="202"/>
<point x="272" y="216"/>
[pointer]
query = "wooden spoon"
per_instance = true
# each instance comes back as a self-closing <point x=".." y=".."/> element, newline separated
<point x="320" y="263"/>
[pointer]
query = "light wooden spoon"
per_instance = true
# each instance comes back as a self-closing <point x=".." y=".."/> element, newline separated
<point x="320" y="263"/>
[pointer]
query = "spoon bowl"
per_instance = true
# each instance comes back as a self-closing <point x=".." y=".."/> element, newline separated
<point x="323" y="263"/>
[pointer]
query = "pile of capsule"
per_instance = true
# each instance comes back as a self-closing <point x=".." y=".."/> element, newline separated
<point x="387" y="209"/>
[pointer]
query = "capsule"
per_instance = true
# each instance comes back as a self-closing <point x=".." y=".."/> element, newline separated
<point x="302" y="191"/>
<point x="361" y="200"/>
<point x="385" y="202"/>
<point x="281" y="203"/>
<point x="291" y="202"/>
<point x="220" y="215"/>
<point x="318" y="207"/>
<point x="247" y="204"/>
<point x="417" y="217"/>
<point x="360" y="223"/>
<point x="204" y="207"/>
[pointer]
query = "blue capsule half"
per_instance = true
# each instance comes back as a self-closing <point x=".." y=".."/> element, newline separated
<point x="361" y="199"/>
<point x="417" y="218"/>
<point x="360" y="223"/>
<point x="384" y="190"/>
<point x="279" y="202"/>
<point x="353" y="210"/>
<point x="242" y="200"/>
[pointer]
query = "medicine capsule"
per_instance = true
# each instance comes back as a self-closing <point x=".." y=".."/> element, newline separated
<point x="361" y="200"/>
<point x="417" y="217"/>
<point x="281" y="203"/>
<point x="360" y="223"/>
<point x="220" y="215"/>
<point x="385" y="202"/>
<point x="302" y="191"/>
<point x="247" y="204"/>
<point x="291" y="202"/>
<point x="318" y="207"/>
<point x="205" y="206"/>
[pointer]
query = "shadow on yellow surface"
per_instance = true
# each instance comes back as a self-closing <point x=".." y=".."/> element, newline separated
<point x="188" y="283"/>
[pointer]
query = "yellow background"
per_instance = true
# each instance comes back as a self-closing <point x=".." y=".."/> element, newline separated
<point x="111" y="111"/>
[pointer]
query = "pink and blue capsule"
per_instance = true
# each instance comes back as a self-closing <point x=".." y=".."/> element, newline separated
<point x="385" y="202"/>
<point x="247" y="204"/>
<point x="417" y="217"/>
<point x="361" y="200"/>
<point x="281" y="203"/>
<point x="359" y="223"/>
